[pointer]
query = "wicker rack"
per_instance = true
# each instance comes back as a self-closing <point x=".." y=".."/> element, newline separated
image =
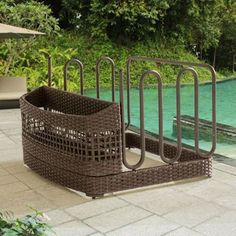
<point x="80" y="142"/>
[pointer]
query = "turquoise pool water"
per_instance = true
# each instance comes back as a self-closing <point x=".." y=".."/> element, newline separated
<point x="226" y="109"/>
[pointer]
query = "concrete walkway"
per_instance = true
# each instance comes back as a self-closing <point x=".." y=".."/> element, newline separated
<point x="194" y="207"/>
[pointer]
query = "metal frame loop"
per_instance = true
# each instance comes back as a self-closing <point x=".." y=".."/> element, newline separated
<point x="122" y="119"/>
<point x="214" y="133"/>
<point x="81" y="67"/>
<point x="160" y="113"/>
<point x="196" y="103"/>
<point x="178" y="63"/>
<point x="49" y="71"/>
<point x="98" y="63"/>
<point x="128" y="65"/>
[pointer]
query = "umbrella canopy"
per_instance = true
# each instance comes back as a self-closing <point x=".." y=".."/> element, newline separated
<point x="9" y="31"/>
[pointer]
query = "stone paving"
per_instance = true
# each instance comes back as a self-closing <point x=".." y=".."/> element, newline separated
<point x="195" y="207"/>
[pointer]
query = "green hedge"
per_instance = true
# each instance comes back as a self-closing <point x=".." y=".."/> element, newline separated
<point x="33" y="63"/>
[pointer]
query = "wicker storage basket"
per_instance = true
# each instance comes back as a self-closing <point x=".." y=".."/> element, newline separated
<point x="80" y="142"/>
<point x="73" y="133"/>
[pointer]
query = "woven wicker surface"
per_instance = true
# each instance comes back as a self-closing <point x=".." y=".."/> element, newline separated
<point x="76" y="141"/>
<point x="68" y="133"/>
<point x="98" y="186"/>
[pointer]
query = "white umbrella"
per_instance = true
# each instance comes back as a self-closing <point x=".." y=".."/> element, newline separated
<point x="9" y="31"/>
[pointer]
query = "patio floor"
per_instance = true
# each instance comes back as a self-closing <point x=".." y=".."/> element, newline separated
<point x="194" y="207"/>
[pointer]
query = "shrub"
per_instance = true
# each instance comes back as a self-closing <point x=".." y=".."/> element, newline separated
<point x="70" y="45"/>
<point x="30" y="225"/>
<point x="131" y="19"/>
<point x="29" y="14"/>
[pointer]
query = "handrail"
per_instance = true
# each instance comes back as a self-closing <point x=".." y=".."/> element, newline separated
<point x="81" y="67"/>
<point x="108" y="59"/>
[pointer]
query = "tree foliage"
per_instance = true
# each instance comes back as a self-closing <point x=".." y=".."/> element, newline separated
<point x="198" y="24"/>
<point x="205" y="27"/>
<point x="28" y="14"/>
<point x="227" y="43"/>
<point x="133" y="19"/>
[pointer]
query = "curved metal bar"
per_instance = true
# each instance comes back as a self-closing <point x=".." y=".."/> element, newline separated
<point x="180" y="63"/>
<point x="128" y="65"/>
<point x="122" y="118"/>
<point x="49" y="71"/>
<point x="160" y="113"/>
<point x="234" y="62"/>
<point x="214" y="134"/>
<point x="178" y="102"/>
<point x="98" y="63"/>
<point x="81" y="67"/>
<point x="214" y="138"/>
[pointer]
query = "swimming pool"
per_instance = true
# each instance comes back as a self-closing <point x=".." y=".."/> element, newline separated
<point x="226" y="109"/>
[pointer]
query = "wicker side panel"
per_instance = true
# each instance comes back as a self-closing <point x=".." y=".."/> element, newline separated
<point x="152" y="145"/>
<point x="97" y="186"/>
<point x="69" y="103"/>
<point x="87" y="167"/>
<point x="92" y="141"/>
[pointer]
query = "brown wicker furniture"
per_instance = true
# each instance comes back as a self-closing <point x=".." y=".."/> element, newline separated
<point x="80" y="142"/>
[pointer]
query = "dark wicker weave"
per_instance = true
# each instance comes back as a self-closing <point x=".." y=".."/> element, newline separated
<point x="72" y="132"/>
<point x="76" y="141"/>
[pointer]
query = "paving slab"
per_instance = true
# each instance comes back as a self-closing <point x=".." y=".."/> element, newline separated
<point x="58" y="217"/>
<point x="22" y="202"/>
<point x="7" y="179"/>
<point x="223" y="224"/>
<point x="160" y="200"/>
<point x="153" y="225"/>
<point x="183" y="231"/>
<point x="96" y="207"/>
<point x="195" y="214"/>
<point x="117" y="218"/>
<point x="60" y="196"/>
<point x="74" y="228"/>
